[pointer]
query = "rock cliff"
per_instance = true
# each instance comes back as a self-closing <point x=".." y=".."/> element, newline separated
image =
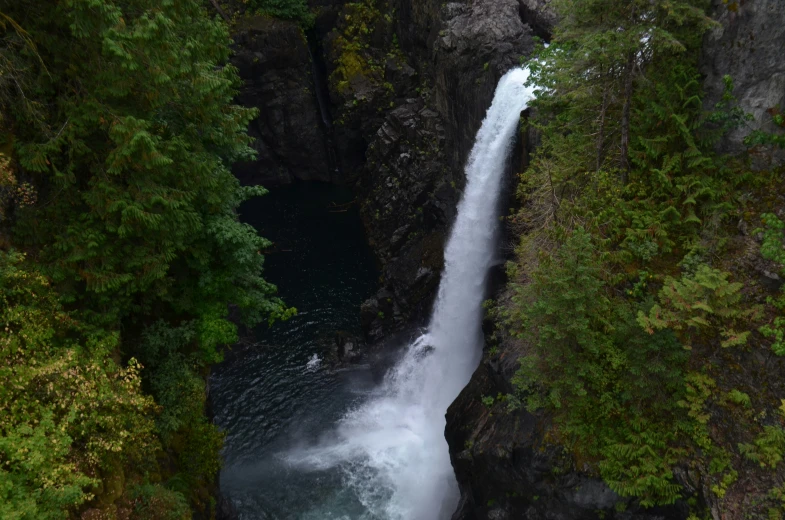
<point x="277" y="72"/>
<point x="414" y="171"/>
<point x="747" y="46"/>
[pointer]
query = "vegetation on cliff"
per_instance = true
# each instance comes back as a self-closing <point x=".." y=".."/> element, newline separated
<point x="285" y="9"/>
<point x="651" y="341"/>
<point x="120" y="252"/>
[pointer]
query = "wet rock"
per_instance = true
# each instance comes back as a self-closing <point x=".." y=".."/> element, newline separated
<point x="402" y="76"/>
<point x="477" y="43"/>
<point x="404" y="224"/>
<point x="498" y="514"/>
<point x="349" y="348"/>
<point x="225" y="510"/>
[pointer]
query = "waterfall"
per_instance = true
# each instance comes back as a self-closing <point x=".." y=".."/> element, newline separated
<point x="391" y="448"/>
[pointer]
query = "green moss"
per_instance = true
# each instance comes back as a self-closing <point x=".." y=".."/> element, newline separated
<point x="351" y="65"/>
<point x="359" y="65"/>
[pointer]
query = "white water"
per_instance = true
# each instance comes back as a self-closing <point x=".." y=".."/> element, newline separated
<point x="392" y="448"/>
<point x="313" y="364"/>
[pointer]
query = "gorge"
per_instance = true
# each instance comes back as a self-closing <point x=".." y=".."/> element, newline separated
<point x="390" y="449"/>
<point x="408" y="190"/>
<point x="313" y="259"/>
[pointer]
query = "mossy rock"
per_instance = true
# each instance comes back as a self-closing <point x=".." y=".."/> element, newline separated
<point x="111" y="485"/>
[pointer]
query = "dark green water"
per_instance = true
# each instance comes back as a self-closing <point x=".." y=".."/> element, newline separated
<point x="267" y="398"/>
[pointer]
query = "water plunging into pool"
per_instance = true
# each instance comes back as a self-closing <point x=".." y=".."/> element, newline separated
<point x="378" y="452"/>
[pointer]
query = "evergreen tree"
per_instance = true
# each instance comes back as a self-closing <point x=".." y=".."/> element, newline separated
<point x="601" y="52"/>
<point x="118" y="121"/>
<point x="137" y="204"/>
<point x="624" y="191"/>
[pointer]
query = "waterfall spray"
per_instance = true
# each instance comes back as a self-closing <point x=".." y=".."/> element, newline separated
<point x="392" y="448"/>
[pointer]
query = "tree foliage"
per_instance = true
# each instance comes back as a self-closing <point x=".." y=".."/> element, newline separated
<point x="705" y="300"/>
<point x="117" y="136"/>
<point x="66" y="409"/>
<point x="773" y="248"/>
<point x="606" y="381"/>
<point x="615" y="294"/>
<point x="286" y="9"/>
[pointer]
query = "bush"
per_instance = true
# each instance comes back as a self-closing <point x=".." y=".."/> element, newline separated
<point x="286" y="9"/>
<point x="612" y="388"/>
<point x="155" y="502"/>
<point x="68" y="412"/>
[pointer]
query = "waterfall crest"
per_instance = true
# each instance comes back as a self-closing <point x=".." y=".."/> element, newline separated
<point x="392" y="448"/>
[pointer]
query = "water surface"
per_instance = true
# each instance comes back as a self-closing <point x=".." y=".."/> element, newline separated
<point x="281" y="394"/>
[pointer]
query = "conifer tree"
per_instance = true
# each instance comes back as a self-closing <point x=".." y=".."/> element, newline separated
<point x="619" y="196"/>
<point x="137" y="210"/>
<point x="601" y="52"/>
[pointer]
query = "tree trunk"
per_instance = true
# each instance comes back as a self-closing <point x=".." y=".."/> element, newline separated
<point x="601" y="131"/>
<point x="624" y="160"/>
<point x="220" y="11"/>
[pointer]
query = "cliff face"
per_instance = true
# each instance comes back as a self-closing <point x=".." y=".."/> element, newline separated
<point x="464" y="48"/>
<point x="274" y="62"/>
<point x="408" y="83"/>
<point x="430" y="71"/>
<point x="747" y="46"/>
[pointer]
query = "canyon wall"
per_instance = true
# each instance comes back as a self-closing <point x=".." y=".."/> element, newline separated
<point x="406" y="84"/>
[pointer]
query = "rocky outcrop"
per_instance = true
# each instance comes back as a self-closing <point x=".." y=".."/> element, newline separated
<point x="412" y="179"/>
<point x="408" y="202"/>
<point x="747" y="46"/>
<point x="480" y="41"/>
<point x="464" y="48"/>
<point x="289" y="135"/>
<point x="539" y="16"/>
<point x="365" y="79"/>
<point x="508" y="470"/>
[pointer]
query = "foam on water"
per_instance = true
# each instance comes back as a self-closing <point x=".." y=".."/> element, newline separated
<point x="313" y="364"/>
<point x="391" y="449"/>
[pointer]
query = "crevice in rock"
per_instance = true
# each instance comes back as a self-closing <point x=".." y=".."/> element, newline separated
<point x="322" y="95"/>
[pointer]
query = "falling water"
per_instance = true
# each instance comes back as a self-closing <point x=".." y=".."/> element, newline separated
<point x="392" y="449"/>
